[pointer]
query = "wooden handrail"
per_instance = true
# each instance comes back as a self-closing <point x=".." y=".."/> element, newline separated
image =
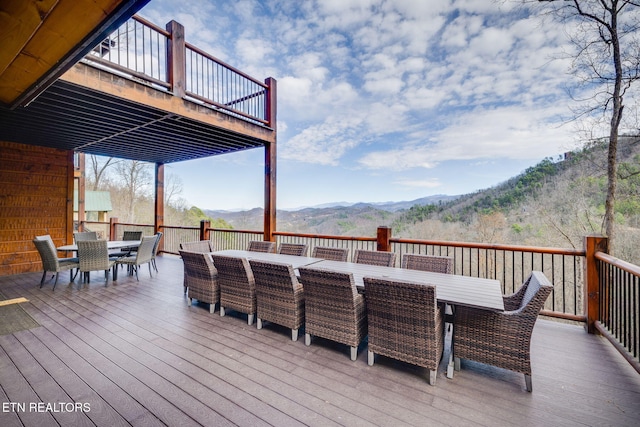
<point x="324" y="236"/>
<point x="496" y="246"/>
<point x="622" y="265"/>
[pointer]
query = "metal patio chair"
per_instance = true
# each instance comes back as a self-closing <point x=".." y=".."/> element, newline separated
<point x="51" y="262"/>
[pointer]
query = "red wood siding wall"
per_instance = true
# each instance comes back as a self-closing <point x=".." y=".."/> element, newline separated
<point x="36" y="198"/>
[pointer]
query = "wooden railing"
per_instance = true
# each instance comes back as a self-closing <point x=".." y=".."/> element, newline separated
<point x="589" y="286"/>
<point x="619" y="305"/>
<point x="144" y="52"/>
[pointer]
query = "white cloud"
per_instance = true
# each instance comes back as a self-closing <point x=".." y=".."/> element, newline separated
<point x="425" y="183"/>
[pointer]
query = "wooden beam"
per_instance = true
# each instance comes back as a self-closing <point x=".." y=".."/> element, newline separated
<point x="159" y="202"/>
<point x="269" y="191"/>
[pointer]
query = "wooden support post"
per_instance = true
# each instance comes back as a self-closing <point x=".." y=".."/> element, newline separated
<point x="71" y="182"/>
<point x="384" y="239"/>
<point x="112" y="228"/>
<point x="205" y="225"/>
<point x="270" y="164"/>
<point x="269" y="191"/>
<point x="82" y="191"/>
<point x="158" y="222"/>
<point x="176" y="54"/>
<point x="272" y="96"/>
<point x="592" y="244"/>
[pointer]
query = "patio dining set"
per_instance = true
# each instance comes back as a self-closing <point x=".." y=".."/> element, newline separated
<point x="402" y="312"/>
<point x="94" y="254"/>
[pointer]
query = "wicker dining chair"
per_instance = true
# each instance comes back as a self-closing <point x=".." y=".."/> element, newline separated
<point x="143" y="255"/>
<point x="279" y="295"/>
<point x="203" y="278"/>
<point x="502" y="339"/>
<point x="298" y="249"/>
<point x="128" y="235"/>
<point x="333" y="307"/>
<point x="385" y="259"/>
<point x="93" y="255"/>
<point x="84" y="235"/>
<point x="405" y="323"/>
<point x="332" y="254"/>
<point x="51" y="262"/>
<point x="202" y="246"/>
<point x="237" y="285"/>
<point x="432" y="263"/>
<point x="260" y="246"/>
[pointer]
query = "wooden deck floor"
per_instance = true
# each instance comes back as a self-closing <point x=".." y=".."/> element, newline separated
<point x="135" y="354"/>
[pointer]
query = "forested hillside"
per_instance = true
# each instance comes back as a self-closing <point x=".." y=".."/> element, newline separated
<point x="554" y="203"/>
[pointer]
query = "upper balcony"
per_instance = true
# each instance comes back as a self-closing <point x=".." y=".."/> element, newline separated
<point x="144" y="93"/>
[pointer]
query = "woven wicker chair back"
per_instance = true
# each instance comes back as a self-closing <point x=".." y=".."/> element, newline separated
<point x="298" y="249"/>
<point x="276" y="276"/>
<point x="431" y="263"/>
<point x="260" y="246"/>
<point x="333" y="254"/>
<point x="93" y="255"/>
<point x="199" y="265"/>
<point x="132" y="235"/>
<point x="85" y="235"/>
<point x="328" y="288"/>
<point x="197" y="246"/>
<point x="237" y="284"/>
<point x="405" y="322"/>
<point x="145" y="250"/>
<point x="47" y="252"/>
<point x="385" y="259"/>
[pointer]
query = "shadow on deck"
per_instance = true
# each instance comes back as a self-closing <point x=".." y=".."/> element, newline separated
<point x="134" y="353"/>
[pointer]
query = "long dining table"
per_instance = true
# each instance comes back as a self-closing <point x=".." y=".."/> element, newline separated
<point x="450" y="288"/>
<point x="294" y="260"/>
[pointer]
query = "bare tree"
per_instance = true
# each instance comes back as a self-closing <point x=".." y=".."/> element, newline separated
<point x="136" y="177"/>
<point x="98" y="167"/>
<point x="606" y="60"/>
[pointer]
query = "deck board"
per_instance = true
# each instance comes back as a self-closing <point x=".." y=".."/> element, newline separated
<point x="139" y="355"/>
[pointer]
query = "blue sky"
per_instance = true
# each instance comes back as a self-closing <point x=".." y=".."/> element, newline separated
<point x="382" y="100"/>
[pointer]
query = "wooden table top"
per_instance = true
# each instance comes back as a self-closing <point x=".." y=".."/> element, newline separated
<point x="450" y="288"/>
<point x="294" y="260"/>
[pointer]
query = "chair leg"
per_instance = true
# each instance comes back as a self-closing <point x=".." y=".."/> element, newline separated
<point x="456" y="363"/>
<point x="189" y="301"/>
<point x="294" y="335"/>
<point x="56" y="281"/>
<point x="250" y="319"/>
<point x="259" y="323"/>
<point x="221" y="311"/>
<point x="212" y="307"/>
<point x="527" y="380"/>
<point x="354" y="353"/>
<point x="155" y="267"/>
<point x="432" y="377"/>
<point x="44" y="274"/>
<point x="370" y="357"/>
<point x="307" y="339"/>
<point x="150" y="275"/>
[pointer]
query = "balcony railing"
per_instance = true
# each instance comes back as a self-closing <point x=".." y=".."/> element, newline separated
<point x="148" y="54"/>
<point x="612" y="293"/>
